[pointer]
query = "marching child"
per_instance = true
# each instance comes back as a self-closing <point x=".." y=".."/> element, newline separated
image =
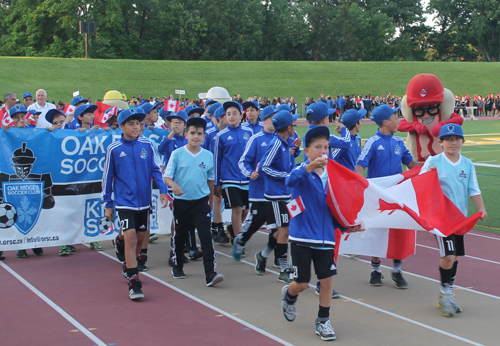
<point x="457" y="177"/>
<point x="131" y="157"/>
<point x="276" y="166"/>
<point x="347" y="157"/>
<point x="383" y="154"/>
<point x="230" y="183"/>
<point x="312" y="232"/>
<point x="256" y="148"/>
<point x="252" y="110"/>
<point x="190" y="174"/>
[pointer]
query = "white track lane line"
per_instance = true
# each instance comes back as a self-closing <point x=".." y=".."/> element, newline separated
<point x="198" y="300"/>
<point x="440" y="331"/>
<point x="483" y="236"/>
<point x="54" y="306"/>
<point x="476" y="258"/>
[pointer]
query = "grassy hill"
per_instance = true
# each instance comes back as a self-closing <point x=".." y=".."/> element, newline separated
<point x="61" y="77"/>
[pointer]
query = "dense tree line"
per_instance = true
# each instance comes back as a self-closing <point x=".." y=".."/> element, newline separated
<point x="349" y="30"/>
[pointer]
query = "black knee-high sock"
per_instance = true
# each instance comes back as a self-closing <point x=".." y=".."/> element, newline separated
<point x="447" y="279"/>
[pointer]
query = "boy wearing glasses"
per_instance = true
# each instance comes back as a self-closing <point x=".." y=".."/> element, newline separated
<point x="383" y="154"/>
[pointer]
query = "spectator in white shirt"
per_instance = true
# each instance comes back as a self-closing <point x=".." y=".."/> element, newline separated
<point x="41" y="105"/>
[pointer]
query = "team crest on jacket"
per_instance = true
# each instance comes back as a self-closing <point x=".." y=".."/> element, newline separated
<point x="144" y="153"/>
<point x="202" y="166"/>
<point x="397" y="150"/>
<point x="462" y="176"/>
<point x="25" y="193"/>
<point x="246" y="136"/>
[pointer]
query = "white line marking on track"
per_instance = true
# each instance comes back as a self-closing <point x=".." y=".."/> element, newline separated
<point x="482" y="134"/>
<point x="198" y="300"/>
<point x="54" y="306"/>
<point x="486" y="165"/>
<point x="481" y="235"/>
<point x="476" y="258"/>
<point x="440" y="331"/>
<point x="430" y="279"/>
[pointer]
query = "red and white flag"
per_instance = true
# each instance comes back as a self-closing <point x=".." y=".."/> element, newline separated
<point x="69" y="108"/>
<point x="170" y="200"/>
<point x="295" y="207"/>
<point x="390" y="209"/>
<point x="171" y="106"/>
<point x="108" y="114"/>
<point x="7" y="120"/>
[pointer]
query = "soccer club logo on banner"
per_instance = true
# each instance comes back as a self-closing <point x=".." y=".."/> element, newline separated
<point x="95" y="222"/>
<point x="24" y="194"/>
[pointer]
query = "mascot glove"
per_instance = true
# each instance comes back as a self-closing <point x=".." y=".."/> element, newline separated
<point x="421" y="129"/>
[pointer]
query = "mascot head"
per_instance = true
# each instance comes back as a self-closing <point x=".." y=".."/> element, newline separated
<point x="427" y="101"/>
<point x="114" y="98"/>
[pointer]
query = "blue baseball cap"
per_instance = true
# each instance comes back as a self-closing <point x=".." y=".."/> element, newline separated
<point x="49" y="116"/>
<point x="451" y="130"/>
<point x="77" y="100"/>
<point x="130" y="113"/>
<point x="209" y="103"/>
<point x="230" y="104"/>
<point x="283" y="118"/>
<point x="197" y="121"/>
<point x="211" y="110"/>
<point x="194" y="109"/>
<point x="267" y="112"/>
<point x="179" y="115"/>
<point x="35" y="112"/>
<point x="84" y="108"/>
<point x="163" y="113"/>
<point x="219" y="112"/>
<point x="352" y="116"/>
<point x="148" y="107"/>
<point x="318" y="111"/>
<point x="382" y="113"/>
<point x="252" y="104"/>
<point x="17" y="109"/>
<point x="285" y="107"/>
<point x="316" y="131"/>
<point x="27" y="94"/>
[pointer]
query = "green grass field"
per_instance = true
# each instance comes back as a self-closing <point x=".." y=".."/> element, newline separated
<point x="482" y="146"/>
<point x="61" y="77"/>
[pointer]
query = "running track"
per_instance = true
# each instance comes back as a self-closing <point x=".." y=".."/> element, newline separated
<point x="89" y="302"/>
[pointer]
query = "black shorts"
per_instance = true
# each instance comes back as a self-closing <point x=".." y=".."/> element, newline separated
<point x="452" y="245"/>
<point x="134" y="219"/>
<point x="277" y="215"/>
<point x="323" y="260"/>
<point x="235" y="197"/>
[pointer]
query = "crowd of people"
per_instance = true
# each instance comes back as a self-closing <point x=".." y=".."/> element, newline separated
<point x="242" y="153"/>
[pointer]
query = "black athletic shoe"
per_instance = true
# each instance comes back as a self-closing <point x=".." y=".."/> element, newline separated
<point x="222" y="237"/>
<point x="120" y="249"/>
<point x="376" y="279"/>
<point x="214" y="278"/>
<point x="124" y="271"/>
<point x="142" y="261"/>
<point x="2" y="257"/>
<point x="230" y="233"/>
<point x="22" y="254"/>
<point x="178" y="273"/>
<point x="399" y="281"/>
<point x="195" y="254"/>
<point x="38" y="251"/>
<point x="135" y="288"/>
<point x="260" y="264"/>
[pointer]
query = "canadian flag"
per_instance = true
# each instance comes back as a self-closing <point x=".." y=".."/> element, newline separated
<point x="171" y="106"/>
<point x="391" y="209"/>
<point x="7" y="120"/>
<point x="108" y="114"/>
<point x="295" y="207"/>
<point x="69" y="108"/>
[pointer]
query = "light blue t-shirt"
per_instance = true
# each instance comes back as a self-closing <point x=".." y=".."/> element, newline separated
<point x="324" y="178"/>
<point x="458" y="179"/>
<point x="191" y="172"/>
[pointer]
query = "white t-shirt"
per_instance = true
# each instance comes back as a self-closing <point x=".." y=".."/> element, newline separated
<point x="42" y="122"/>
